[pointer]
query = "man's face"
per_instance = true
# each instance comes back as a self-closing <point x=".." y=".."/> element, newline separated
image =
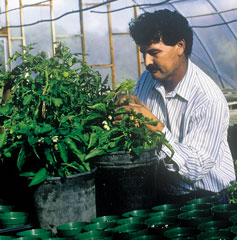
<point x="163" y="61"/>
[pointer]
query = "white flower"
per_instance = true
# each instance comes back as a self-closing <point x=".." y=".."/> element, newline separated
<point x="40" y="140"/>
<point x="105" y="123"/>
<point x="110" y="117"/>
<point x="55" y="139"/>
<point x="106" y="127"/>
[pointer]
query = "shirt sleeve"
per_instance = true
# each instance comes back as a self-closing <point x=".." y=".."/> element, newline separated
<point x="201" y="147"/>
<point x="139" y="83"/>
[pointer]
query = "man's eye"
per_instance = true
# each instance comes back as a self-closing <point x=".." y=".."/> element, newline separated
<point x="155" y="53"/>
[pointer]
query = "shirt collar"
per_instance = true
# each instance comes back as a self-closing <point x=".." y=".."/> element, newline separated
<point x="183" y="89"/>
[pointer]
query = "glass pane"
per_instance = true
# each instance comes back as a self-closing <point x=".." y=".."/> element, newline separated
<point x="74" y="43"/>
<point x="70" y="23"/>
<point x="14" y="18"/>
<point x="3" y="55"/>
<point x="38" y="33"/>
<point x="224" y="5"/>
<point x="125" y="58"/>
<point x="105" y="72"/>
<point x="97" y="37"/>
<point x="120" y="19"/>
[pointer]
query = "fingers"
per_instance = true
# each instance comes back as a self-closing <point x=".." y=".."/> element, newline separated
<point x="137" y="101"/>
<point x="158" y="127"/>
<point x="138" y="106"/>
<point x="131" y="98"/>
<point x="121" y="98"/>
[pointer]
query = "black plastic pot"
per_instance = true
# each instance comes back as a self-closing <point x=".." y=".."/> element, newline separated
<point x="166" y="207"/>
<point x="197" y="206"/>
<point x="70" y="229"/>
<point x="194" y="217"/>
<point x="224" y="211"/>
<point x="129" y="231"/>
<point x="216" y="235"/>
<point x="181" y="232"/>
<point x="128" y="220"/>
<point x="124" y="183"/>
<point x="159" y="224"/>
<point x="137" y="213"/>
<point x="60" y="201"/>
<point x="94" y="234"/>
<point x="214" y="225"/>
<point x="203" y="200"/>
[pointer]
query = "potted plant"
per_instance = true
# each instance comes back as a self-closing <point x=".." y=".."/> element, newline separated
<point x="47" y="114"/>
<point x="50" y="132"/>
<point x="126" y="176"/>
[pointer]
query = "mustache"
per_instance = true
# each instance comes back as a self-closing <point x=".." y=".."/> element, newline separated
<point x="151" y="68"/>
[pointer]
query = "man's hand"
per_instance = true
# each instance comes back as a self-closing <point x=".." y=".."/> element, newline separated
<point x="139" y="107"/>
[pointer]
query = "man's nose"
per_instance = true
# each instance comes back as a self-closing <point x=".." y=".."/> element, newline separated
<point x="147" y="59"/>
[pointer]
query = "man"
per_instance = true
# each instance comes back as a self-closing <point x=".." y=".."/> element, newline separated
<point x="190" y="108"/>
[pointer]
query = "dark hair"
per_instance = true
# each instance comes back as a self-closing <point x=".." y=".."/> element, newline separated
<point x="165" y="25"/>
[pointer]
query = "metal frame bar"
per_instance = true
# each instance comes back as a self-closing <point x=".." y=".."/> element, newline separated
<point x="8" y="31"/>
<point x="213" y="6"/>
<point x="83" y="44"/>
<point x="22" y="28"/>
<point x="111" y="45"/>
<point x="53" y="35"/>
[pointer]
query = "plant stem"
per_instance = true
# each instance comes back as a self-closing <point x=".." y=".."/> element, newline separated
<point x="44" y="91"/>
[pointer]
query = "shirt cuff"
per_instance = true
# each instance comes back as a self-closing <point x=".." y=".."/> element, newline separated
<point x="179" y="160"/>
<point x="168" y="135"/>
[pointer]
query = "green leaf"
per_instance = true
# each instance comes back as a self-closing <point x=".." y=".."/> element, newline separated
<point x="72" y="145"/>
<point x="93" y="153"/>
<point x="27" y="99"/>
<point x="5" y="109"/>
<point x="93" y="140"/>
<point x="27" y="174"/>
<point x="23" y="128"/>
<point x="109" y="96"/>
<point x="86" y="137"/>
<point x="7" y="154"/>
<point x="48" y="155"/>
<point x="65" y="74"/>
<point x="3" y="137"/>
<point x="21" y="158"/>
<point x="94" y="116"/>
<point x="138" y="150"/>
<point x="63" y="151"/>
<point x="39" y="177"/>
<point x="78" y="137"/>
<point x="113" y="149"/>
<point x="57" y="102"/>
<point x="99" y="107"/>
<point x="120" y="111"/>
<point x="32" y="140"/>
<point x="35" y="151"/>
<point x="47" y="140"/>
<point x="44" y="129"/>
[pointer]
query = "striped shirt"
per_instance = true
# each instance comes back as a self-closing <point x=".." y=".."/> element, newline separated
<point x="196" y="119"/>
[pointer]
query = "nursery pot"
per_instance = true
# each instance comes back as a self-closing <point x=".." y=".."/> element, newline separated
<point x="59" y="201"/>
<point x="124" y="183"/>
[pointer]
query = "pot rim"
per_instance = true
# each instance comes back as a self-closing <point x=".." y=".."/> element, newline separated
<point x="70" y="176"/>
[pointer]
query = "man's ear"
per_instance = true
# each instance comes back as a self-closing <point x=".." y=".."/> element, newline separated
<point x="181" y="45"/>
